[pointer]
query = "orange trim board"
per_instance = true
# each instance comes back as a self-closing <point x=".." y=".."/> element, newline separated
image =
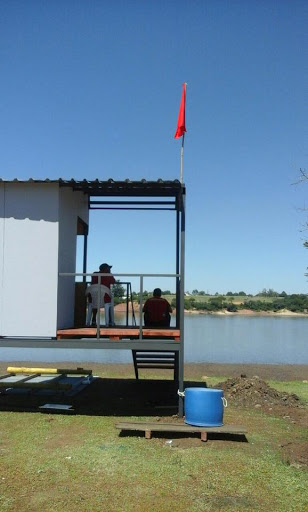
<point x="116" y="333"/>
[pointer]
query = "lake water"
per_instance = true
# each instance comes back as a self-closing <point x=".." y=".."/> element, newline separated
<point x="208" y="338"/>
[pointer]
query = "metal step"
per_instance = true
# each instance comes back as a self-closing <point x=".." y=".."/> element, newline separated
<point x="162" y="359"/>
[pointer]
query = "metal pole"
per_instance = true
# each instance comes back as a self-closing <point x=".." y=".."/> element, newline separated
<point x="140" y="307"/>
<point x="98" y="312"/>
<point x="132" y="303"/>
<point x="127" y="291"/>
<point x="177" y="269"/>
<point x="182" y="157"/>
<point x="85" y="252"/>
<point x="181" y="351"/>
<point x="183" y="138"/>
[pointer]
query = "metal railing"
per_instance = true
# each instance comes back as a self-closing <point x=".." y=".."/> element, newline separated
<point x="141" y="277"/>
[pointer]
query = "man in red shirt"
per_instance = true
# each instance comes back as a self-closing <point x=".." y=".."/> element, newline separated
<point x="157" y="311"/>
<point x="104" y="268"/>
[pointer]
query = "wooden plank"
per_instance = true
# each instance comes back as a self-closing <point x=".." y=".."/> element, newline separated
<point x="161" y="332"/>
<point x="179" y="427"/>
<point x="53" y="371"/>
<point x="116" y="333"/>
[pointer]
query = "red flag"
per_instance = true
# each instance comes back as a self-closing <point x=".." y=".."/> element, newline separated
<point x="181" y="119"/>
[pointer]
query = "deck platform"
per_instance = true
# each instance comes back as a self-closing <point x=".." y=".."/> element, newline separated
<point x="119" y="333"/>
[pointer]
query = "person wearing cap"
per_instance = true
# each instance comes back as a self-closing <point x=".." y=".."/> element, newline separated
<point x="157" y="311"/>
<point x="107" y="281"/>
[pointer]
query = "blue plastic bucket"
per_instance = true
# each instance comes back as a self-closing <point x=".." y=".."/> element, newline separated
<point x="204" y="407"/>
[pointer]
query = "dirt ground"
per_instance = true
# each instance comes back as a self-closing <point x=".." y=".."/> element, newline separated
<point x="192" y="371"/>
<point x="287" y="372"/>
<point x="245" y="387"/>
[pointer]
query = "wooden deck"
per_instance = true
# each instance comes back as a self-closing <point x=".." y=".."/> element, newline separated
<point x="118" y="333"/>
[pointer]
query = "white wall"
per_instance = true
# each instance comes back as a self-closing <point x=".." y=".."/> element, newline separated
<point x="71" y="206"/>
<point x="29" y="265"/>
<point x="1" y="248"/>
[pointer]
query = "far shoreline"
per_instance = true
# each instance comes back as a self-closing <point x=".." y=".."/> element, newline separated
<point x="121" y="308"/>
<point x="246" y="312"/>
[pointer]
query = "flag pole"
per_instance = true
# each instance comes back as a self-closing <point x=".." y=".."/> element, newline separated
<point x="182" y="157"/>
<point x="183" y="137"/>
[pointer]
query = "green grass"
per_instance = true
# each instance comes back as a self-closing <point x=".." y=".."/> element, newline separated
<point x="297" y="387"/>
<point x="75" y="463"/>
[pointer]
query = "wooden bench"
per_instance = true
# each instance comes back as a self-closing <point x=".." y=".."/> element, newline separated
<point x="149" y="427"/>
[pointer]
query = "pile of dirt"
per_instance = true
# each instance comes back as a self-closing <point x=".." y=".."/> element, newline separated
<point x="256" y="392"/>
<point x="295" y="454"/>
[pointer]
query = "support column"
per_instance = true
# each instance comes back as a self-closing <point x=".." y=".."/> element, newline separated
<point x="182" y="281"/>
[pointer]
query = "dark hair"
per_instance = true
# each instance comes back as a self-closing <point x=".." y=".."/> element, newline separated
<point x="157" y="292"/>
<point x="105" y="267"/>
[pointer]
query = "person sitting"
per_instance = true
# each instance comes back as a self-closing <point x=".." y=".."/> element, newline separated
<point x="157" y="311"/>
<point x="107" y="281"/>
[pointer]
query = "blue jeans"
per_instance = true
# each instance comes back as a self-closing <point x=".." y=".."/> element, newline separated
<point x="109" y="313"/>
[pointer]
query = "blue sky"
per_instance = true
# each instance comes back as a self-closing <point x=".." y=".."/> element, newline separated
<point x="91" y="89"/>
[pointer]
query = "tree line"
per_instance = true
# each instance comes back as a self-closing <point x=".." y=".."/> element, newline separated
<point x="275" y="301"/>
<point x="297" y="303"/>
<point x="264" y="293"/>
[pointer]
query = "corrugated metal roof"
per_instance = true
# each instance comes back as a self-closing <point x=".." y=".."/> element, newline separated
<point x="112" y="187"/>
<point x="29" y="180"/>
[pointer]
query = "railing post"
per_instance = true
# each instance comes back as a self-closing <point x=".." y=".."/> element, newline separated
<point x="98" y="313"/>
<point x="127" y="292"/>
<point x="140" y="307"/>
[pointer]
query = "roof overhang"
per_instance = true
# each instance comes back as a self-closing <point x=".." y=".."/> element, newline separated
<point x="125" y="188"/>
<point x="112" y="190"/>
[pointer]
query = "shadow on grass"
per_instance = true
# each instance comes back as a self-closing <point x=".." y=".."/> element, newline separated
<point x="239" y="438"/>
<point x="105" y="397"/>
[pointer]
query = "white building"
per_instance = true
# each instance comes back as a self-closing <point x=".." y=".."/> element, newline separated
<point x="39" y="223"/>
<point x="41" y="306"/>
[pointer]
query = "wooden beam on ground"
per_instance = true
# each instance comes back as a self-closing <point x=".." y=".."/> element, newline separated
<point x="48" y="371"/>
<point x="149" y="427"/>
